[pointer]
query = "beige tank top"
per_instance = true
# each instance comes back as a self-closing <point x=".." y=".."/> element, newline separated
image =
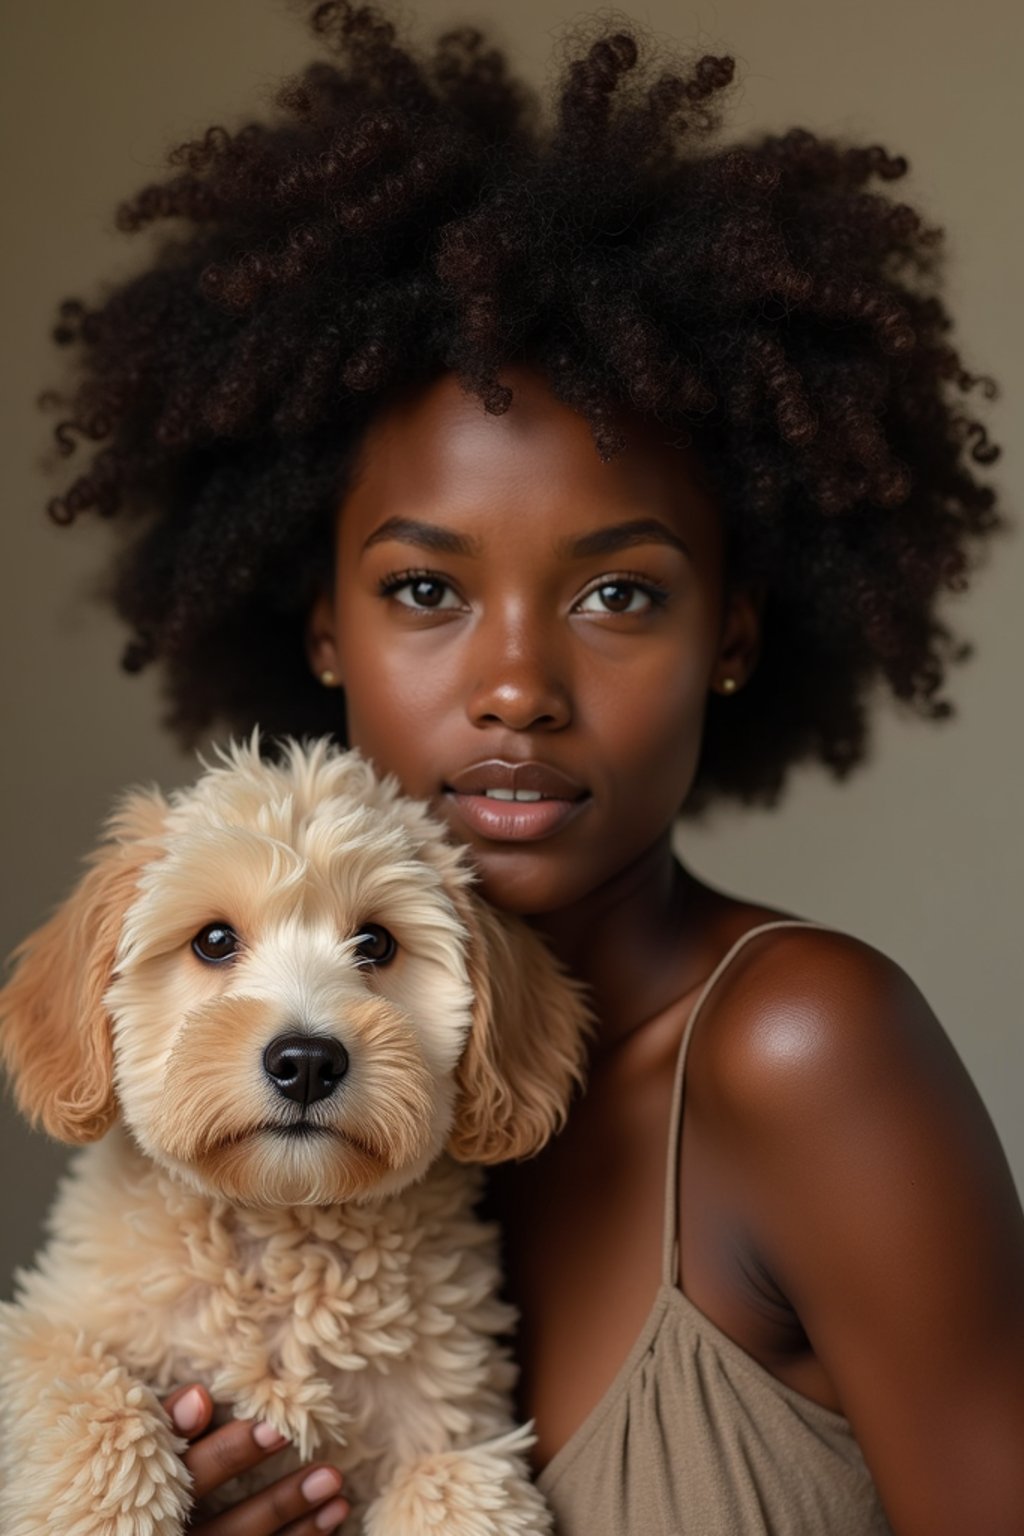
<point x="694" y="1437"/>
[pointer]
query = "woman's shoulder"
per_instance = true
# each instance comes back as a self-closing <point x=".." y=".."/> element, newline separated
<point x="801" y="1002"/>
<point x="835" y="1104"/>
<point x="862" y="1174"/>
<point x="845" y="1130"/>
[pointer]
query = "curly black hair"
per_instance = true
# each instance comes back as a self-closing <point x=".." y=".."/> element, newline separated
<point x="407" y="210"/>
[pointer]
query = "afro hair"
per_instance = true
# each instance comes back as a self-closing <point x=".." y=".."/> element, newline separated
<point x="405" y="210"/>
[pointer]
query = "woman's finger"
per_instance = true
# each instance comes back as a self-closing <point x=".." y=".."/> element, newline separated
<point x="329" y="1516"/>
<point x="305" y="1502"/>
<point x="190" y="1409"/>
<point x="223" y="1453"/>
<point x="308" y="1497"/>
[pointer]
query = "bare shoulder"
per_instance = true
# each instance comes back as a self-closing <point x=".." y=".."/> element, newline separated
<point x="819" y="1054"/>
<point x="800" y="1009"/>
<point x="859" y="1161"/>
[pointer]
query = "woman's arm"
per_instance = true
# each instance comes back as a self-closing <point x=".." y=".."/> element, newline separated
<point x="305" y="1503"/>
<point x="875" y="1192"/>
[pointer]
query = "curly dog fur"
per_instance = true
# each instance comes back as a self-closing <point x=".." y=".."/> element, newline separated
<point x="318" y="1265"/>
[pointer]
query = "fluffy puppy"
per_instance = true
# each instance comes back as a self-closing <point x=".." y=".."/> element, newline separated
<point x="285" y="1024"/>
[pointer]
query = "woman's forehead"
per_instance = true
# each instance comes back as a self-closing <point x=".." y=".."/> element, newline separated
<point x="437" y="449"/>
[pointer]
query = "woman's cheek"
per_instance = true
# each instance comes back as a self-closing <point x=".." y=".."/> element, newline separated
<point x="393" y="720"/>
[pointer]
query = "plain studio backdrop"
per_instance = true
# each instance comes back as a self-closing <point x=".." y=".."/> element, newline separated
<point x="919" y="854"/>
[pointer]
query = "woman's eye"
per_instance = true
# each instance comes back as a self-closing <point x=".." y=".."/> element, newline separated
<point x="375" y="945"/>
<point x="423" y="592"/>
<point x="620" y="597"/>
<point x="216" y="942"/>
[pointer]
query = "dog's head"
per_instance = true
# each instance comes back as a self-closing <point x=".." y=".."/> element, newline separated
<point x="281" y="980"/>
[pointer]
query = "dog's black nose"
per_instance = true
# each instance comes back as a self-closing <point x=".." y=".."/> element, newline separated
<point x="305" y="1067"/>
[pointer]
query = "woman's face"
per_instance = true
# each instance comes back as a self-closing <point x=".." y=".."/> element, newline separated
<point x="503" y="598"/>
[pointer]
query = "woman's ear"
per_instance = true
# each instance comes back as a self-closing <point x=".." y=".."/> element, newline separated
<point x="321" y="646"/>
<point x="527" y="1045"/>
<point x="54" y="1029"/>
<point x="741" y="636"/>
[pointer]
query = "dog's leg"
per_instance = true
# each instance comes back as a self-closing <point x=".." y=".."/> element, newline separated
<point x="87" y="1450"/>
<point x="480" y="1490"/>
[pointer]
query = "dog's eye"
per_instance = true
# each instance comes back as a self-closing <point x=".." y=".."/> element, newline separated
<point x="215" y="942"/>
<point x="375" y="945"/>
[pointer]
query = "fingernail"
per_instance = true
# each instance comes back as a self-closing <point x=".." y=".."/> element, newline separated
<point x="267" y="1437"/>
<point x="331" y="1515"/>
<point x="319" y="1484"/>
<point x="187" y="1412"/>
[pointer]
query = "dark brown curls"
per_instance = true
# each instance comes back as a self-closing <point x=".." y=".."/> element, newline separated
<point x="404" y="211"/>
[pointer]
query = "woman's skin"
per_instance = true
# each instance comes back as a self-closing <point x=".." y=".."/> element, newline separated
<point x="305" y="1503"/>
<point x="846" y="1214"/>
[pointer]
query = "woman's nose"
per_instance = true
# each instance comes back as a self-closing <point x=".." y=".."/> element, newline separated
<point x="518" y="681"/>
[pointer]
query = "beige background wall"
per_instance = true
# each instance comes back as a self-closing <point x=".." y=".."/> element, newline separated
<point x="921" y="856"/>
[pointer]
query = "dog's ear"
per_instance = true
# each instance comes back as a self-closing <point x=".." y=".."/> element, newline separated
<point x="527" y="1044"/>
<point x="54" y="1030"/>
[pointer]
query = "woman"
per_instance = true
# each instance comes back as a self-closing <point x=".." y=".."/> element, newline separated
<point x="599" y="467"/>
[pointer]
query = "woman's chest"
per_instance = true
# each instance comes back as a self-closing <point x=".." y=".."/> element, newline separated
<point x="588" y="1238"/>
<point x="582" y="1229"/>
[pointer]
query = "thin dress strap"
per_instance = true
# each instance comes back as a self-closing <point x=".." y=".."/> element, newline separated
<point x="670" y="1247"/>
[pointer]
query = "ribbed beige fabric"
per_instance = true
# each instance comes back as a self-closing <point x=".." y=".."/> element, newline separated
<point x="694" y="1437"/>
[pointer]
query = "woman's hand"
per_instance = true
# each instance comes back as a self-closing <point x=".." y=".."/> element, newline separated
<point x="305" y="1503"/>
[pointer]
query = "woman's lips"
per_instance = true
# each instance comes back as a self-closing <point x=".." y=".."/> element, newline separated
<point x="514" y="820"/>
<point x="502" y="818"/>
<point x="534" y="777"/>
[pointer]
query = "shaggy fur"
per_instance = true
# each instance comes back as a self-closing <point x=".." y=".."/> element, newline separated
<point x="332" y="1281"/>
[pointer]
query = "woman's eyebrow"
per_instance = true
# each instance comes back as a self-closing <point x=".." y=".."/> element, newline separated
<point x="409" y="530"/>
<point x="601" y="541"/>
<point x="605" y="541"/>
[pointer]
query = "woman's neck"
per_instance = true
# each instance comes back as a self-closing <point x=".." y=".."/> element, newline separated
<point x="633" y="941"/>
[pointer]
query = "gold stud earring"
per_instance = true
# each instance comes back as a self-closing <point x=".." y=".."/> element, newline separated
<point x="729" y="685"/>
<point x="327" y="678"/>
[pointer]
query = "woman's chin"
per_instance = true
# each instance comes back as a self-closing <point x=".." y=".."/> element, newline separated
<point x="527" y="881"/>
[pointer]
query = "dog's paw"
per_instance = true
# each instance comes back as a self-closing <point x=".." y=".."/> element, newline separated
<point x="301" y="1408"/>
<point x="94" y="1456"/>
<point x="484" y="1490"/>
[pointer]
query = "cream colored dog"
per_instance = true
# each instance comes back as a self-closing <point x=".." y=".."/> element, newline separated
<point x="277" y="1002"/>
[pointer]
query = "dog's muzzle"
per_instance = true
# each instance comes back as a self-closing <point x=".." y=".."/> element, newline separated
<point x="305" y="1068"/>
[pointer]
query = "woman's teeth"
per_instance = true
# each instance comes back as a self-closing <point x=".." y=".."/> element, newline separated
<point x="512" y="794"/>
